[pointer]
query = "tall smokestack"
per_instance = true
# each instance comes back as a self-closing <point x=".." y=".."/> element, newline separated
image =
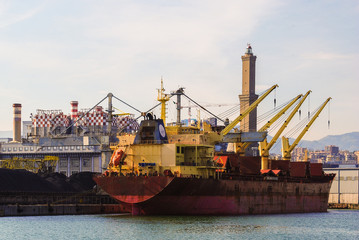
<point x="74" y="110"/>
<point x="17" y="122"/>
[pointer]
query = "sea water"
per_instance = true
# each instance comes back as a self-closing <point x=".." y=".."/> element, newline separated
<point x="335" y="224"/>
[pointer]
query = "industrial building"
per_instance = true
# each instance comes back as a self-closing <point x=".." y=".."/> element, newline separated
<point x="345" y="186"/>
<point x="81" y="140"/>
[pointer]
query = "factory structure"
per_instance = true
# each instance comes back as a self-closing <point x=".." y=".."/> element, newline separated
<point x="81" y="140"/>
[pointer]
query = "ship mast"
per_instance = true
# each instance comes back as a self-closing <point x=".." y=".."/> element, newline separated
<point x="163" y="98"/>
<point x="179" y="92"/>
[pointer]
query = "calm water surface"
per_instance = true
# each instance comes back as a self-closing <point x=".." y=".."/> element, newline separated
<point x="335" y="224"/>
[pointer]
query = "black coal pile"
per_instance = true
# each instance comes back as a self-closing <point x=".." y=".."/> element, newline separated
<point x="82" y="181"/>
<point x="24" y="181"/>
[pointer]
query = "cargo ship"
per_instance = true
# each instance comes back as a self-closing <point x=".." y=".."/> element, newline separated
<point x="176" y="170"/>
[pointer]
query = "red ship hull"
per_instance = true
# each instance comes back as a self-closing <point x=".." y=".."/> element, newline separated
<point x="160" y="195"/>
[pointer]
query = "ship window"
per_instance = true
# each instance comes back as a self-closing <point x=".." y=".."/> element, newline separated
<point x="148" y="133"/>
<point x="26" y="148"/>
<point x="31" y="148"/>
<point x="178" y="149"/>
<point x="20" y="148"/>
<point x="72" y="147"/>
<point x="14" y="148"/>
<point x="9" y="149"/>
<point x="66" y="148"/>
<point x="74" y="172"/>
<point x="60" y="148"/>
<point x="4" y="149"/>
<point x="78" y="147"/>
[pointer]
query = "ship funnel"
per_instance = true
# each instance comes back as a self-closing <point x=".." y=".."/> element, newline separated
<point x="17" y="122"/>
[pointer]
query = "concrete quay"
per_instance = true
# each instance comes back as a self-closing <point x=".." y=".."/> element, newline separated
<point x="343" y="206"/>
<point x="59" y="209"/>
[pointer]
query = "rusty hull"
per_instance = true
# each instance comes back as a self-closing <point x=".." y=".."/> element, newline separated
<point x="161" y="195"/>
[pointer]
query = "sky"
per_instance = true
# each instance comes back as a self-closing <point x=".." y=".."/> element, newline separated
<point x="56" y="51"/>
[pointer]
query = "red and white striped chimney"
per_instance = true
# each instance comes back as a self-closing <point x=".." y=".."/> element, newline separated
<point x="17" y="122"/>
<point x="74" y="110"/>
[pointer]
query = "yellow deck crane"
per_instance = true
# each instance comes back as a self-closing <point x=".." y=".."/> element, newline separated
<point x="286" y="148"/>
<point x="242" y="146"/>
<point x="247" y="111"/>
<point x="48" y="163"/>
<point x="264" y="146"/>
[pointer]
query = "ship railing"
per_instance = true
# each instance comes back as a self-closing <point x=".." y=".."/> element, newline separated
<point x="150" y="141"/>
<point x="203" y="163"/>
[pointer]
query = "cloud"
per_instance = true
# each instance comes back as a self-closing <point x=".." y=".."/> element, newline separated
<point x="116" y="40"/>
<point x="189" y="30"/>
<point x="11" y="13"/>
<point x="81" y="50"/>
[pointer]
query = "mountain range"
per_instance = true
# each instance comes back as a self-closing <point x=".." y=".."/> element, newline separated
<point x="347" y="141"/>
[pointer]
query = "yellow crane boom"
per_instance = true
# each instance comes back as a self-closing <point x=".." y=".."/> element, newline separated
<point x="286" y="148"/>
<point x="264" y="147"/>
<point x="242" y="146"/>
<point x="247" y="111"/>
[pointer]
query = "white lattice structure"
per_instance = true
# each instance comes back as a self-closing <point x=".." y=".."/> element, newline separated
<point x="125" y="122"/>
<point x="97" y="117"/>
<point x="50" y="120"/>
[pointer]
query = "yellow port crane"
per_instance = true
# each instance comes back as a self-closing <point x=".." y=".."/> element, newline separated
<point x="247" y="111"/>
<point x="264" y="146"/>
<point x="242" y="146"/>
<point x="286" y="148"/>
<point x="48" y="163"/>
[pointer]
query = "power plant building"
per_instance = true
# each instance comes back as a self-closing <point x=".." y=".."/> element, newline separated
<point x="80" y="140"/>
